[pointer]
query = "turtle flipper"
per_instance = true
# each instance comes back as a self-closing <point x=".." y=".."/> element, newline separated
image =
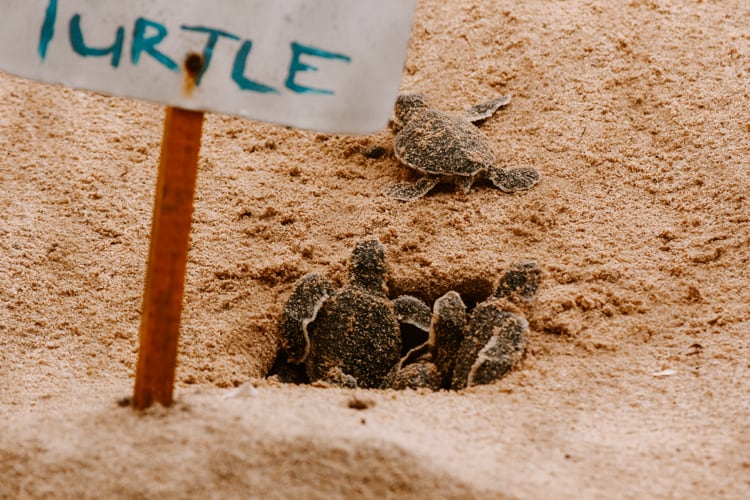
<point x="446" y="333"/>
<point x="309" y="294"/>
<point x="494" y="343"/>
<point x="520" y="282"/>
<point x="501" y="352"/>
<point x="412" y="311"/>
<point x="406" y="191"/>
<point x="486" y="109"/>
<point x="418" y="375"/>
<point x="514" y="179"/>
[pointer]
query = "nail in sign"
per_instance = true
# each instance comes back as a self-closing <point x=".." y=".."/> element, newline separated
<point x="329" y="65"/>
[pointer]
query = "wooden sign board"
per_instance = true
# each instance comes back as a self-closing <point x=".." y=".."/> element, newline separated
<point x="328" y="65"/>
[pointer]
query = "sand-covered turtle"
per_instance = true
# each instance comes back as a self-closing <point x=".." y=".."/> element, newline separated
<point x="349" y="337"/>
<point x="444" y="147"/>
<point x="480" y="347"/>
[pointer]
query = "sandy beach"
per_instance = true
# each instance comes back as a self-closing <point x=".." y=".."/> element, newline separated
<point x="636" y="378"/>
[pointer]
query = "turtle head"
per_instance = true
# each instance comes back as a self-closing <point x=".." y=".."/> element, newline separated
<point x="368" y="268"/>
<point x="408" y="105"/>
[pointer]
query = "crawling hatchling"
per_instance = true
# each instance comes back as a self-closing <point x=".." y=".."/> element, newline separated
<point x="450" y="148"/>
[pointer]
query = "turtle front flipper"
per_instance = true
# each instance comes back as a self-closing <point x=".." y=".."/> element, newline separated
<point x="406" y="191"/>
<point x="482" y="111"/>
<point x="501" y="352"/>
<point x="309" y="294"/>
<point x="514" y="179"/>
<point x="412" y="311"/>
<point x="414" y="318"/>
<point x="520" y="283"/>
<point x="446" y="333"/>
<point x="494" y="343"/>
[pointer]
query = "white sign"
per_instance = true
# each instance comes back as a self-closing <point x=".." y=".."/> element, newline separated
<point x="331" y="65"/>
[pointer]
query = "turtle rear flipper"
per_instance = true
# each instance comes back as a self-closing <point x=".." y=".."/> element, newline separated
<point x="406" y="191"/>
<point x="309" y="294"/>
<point x="482" y="111"/>
<point x="514" y="179"/>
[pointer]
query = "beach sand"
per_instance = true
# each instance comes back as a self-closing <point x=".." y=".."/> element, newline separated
<point x="636" y="380"/>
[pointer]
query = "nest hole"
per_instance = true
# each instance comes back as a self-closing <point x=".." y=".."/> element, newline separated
<point x="473" y="289"/>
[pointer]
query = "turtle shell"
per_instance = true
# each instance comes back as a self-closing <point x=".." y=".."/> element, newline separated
<point x="436" y="143"/>
<point x="356" y="332"/>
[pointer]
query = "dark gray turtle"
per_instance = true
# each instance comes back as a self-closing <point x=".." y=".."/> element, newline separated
<point x="471" y="349"/>
<point x="350" y="337"/>
<point x="444" y="147"/>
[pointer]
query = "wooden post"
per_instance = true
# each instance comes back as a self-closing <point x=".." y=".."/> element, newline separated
<point x="167" y="258"/>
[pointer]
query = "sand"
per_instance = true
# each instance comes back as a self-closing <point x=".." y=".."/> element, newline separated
<point x="635" y="383"/>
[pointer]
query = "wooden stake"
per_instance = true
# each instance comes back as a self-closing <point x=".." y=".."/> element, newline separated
<point x="167" y="258"/>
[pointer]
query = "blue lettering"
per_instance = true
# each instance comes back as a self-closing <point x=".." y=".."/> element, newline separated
<point x="76" y="41"/>
<point x="296" y="66"/>
<point x="238" y="71"/>
<point x="143" y="43"/>
<point x="48" y="28"/>
<point x="148" y="34"/>
<point x="213" y="37"/>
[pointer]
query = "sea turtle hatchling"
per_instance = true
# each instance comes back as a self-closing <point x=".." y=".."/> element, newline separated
<point x="445" y="147"/>
<point x="350" y="337"/>
<point x="475" y="348"/>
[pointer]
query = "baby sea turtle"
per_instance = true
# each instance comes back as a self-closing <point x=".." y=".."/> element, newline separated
<point x="350" y="337"/>
<point x="476" y="348"/>
<point x="445" y="147"/>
